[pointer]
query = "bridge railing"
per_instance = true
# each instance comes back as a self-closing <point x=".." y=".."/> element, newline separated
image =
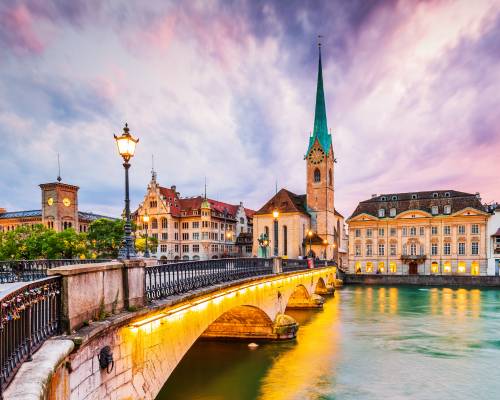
<point x="31" y="270"/>
<point x="28" y="316"/>
<point x="163" y="280"/>
<point x="289" y="265"/>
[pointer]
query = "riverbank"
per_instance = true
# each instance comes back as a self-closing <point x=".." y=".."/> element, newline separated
<point x="423" y="280"/>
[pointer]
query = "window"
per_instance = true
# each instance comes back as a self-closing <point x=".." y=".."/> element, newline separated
<point x="394" y="198"/>
<point x="176" y="248"/>
<point x="196" y="248"/>
<point x="164" y="223"/>
<point x="404" y="230"/>
<point x="164" y="236"/>
<point x="185" y="236"/>
<point x="369" y="250"/>
<point x="155" y="235"/>
<point x="447" y="209"/>
<point x="447" y="194"/>
<point x="381" y="232"/>
<point x="435" y="195"/>
<point x="285" y="240"/>
<point x="404" y="250"/>
<point x="357" y="250"/>
<point x="163" y="248"/>
<point x="474" y="268"/>
<point x="393" y="249"/>
<point x="154" y="223"/>
<point x="413" y="249"/>
<point x="475" y="248"/>
<point x="434" y="267"/>
<point x="461" y="229"/>
<point x="196" y="236"/>
<point x="381" y="249"/>
<point x="474" y="229"/>
<point x="176" y="225"/>
<point x="153" y="204"/>
<point x="248" y="248"/>
<point x="422" y="231"/>
<point x="447" y="249"/>
<point x="204" y="236"/>
<point x="195" y="224"/>
<point x="185" y="248"/>
<point x="381" y="213"/>
<point x="330" y="177"/>
<point x="434" y="230"/>
<point x="176" y="236"/>
<point x="357" y="233"/>
<point x="393" y="267"/>
<point x="369" y="267"/>
<point x="413" y="196"/>
<point x="461" y="249"/>
<point x="383" y="198"/>
<point x="185" y="225"/>
<point x="461" y="267"/>
<point x="413" y="231"/>
<point x="381" y="267"/>
<point x="392" y="212"/>
<point x="434" y="210"/>
<point x="447" y="267"/>
<point x="434" y="249"/>
<point x="317" y="175"/>
<point x="447" y="230"/>
<point x="393" y="232"/>
<point x="357" y="267"/>
<point x="369" y="233"/>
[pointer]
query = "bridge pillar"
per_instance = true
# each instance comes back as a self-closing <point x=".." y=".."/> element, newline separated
<point x="277" y="265"/>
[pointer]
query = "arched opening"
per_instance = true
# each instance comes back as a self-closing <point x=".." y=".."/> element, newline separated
<point x="434" y="267"/>
<point x="357" y="267"/>
<point x="215" y="257"/>
<point x="474" y="268"/>
<point x="164" y="223"/>
<point x="322" y="289"/>
<point x="196" y="258"/>
<point x="154" y="223"/>
<point x="185" y="257"/>
<point x="299" y="297"/>
<point x="317" y="175"/>
<point x="285" y="240"/>
<point x="330" y="177"/>
<point x="241" y="322"/>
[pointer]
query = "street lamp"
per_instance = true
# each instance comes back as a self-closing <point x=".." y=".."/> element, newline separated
<point x="126" y="148"/>
<point x="310" y="234"/>
<point x="325" y="243"/>
<point x="264" y="243"/>
<point x="145" y="219"/>
<point x="276" y="214"/>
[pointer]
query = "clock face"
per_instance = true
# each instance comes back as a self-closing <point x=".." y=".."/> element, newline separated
<point x="316" y="156"/>
<point x="50" y="201"/>
<point x="66" y="202"/>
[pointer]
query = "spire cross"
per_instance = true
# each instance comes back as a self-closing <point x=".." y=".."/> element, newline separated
<point x="319" y="40"/>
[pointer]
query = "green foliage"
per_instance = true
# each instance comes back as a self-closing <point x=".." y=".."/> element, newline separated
<point x="140" y="244"/>
<point x="105" y="237"/>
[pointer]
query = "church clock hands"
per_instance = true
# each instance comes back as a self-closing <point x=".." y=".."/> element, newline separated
<point x="316" y="156"/>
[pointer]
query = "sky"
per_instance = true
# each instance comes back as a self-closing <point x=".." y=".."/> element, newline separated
<point x="225" y="90"/>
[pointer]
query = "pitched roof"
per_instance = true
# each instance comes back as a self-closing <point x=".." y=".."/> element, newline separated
<point x="285" y="202"/>
<point x="88" y="216"/>
<point x="320" y="131"/>
<point x="172" y="199"/>
<point x="21" y="214"/>
<point x="418" y="201"/>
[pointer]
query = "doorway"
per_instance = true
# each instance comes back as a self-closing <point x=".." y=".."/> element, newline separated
<point x="413" y="269"/>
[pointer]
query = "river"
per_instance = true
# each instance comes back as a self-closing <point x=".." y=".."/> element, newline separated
<point x="367" y="343"/>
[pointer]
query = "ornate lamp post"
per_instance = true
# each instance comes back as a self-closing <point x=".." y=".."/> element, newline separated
<point x="264" y="243"/>
<point x="145" y="219"/>
<point x="276" y="214"/>
<point x="325" y="243"/>
<point x="309" y="235"/>
<point x="126" y="147"/>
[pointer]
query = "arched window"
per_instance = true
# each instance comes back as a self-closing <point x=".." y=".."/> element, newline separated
<point x="393" y="267"/>
<point x="369" y="267"/>
<point x="317" y="175"/>
<point x="164" y="223"/>
<point x="474" y="268"/>
<point x="381" y="267"/>
<point x="434" y="267"/>
<point x="330" y="177"/>
<point x="285" y="240"/>
<point x="266" y="231"/>
<point x="154" y="223"/>
<point x="413" y="249"/>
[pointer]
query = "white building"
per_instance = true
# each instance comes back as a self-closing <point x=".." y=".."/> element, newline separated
<point x="493" y="244"/>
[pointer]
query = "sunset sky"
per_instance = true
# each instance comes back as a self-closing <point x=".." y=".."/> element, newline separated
<point x="226" y="89"/>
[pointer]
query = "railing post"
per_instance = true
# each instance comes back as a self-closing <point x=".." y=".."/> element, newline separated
<point x="29" y="331"/>
<point x="277" y="265"/>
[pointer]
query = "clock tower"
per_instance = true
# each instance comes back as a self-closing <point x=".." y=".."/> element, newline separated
<point x="320" y="167"/>
<point x="59" y="205"/>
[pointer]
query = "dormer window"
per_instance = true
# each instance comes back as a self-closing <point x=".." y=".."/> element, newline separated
<point x="435" y="195"/>
<point x="447" y="194"/>
<point x="435" y="210"/>
<point x="447" y="209"/>
<point x="381" y="212"/>
<point x="394" y="198"/>
<point x="383" y="198"/>
<point x="392" y="212"/>
<point x="414" y="197"/>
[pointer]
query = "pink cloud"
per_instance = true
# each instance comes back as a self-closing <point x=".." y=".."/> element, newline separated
<point x="18" y="31"/>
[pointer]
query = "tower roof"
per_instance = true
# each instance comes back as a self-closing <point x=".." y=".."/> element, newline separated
<point x="320" y="131"/>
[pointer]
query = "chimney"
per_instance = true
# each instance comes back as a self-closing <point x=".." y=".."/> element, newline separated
<point x="478" y="196"/>
<point x="173" y="188"/>
<point x="374" y="195"/>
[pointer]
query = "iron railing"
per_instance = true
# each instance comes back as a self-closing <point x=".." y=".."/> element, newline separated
<point x="165" y="280"/>
<point x="31" y="270"/>
<point x="28" y="316"/>
<point x="289" y="265"/>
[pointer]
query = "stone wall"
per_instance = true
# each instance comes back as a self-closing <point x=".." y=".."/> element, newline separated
<point x="424" y="280"/>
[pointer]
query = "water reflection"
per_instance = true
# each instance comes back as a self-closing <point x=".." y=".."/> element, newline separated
<point x="368" y="343"/>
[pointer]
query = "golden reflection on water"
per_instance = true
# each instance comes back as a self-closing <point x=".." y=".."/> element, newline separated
<point x="308" y="366"/>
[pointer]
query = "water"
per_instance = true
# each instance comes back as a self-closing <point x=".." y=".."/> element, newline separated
<point x="367" y="343"/>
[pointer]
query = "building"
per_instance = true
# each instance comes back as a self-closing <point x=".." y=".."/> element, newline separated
<point x="493" y="237"/>
<point x="435" y="232"/>
<point x="192" y="228"/>
<point x="306" y="224"/>
<point x="59" y="210"/>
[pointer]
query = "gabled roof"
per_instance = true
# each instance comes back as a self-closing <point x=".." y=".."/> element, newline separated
<point x="285" y="202"/>
<point x="320" y="131"/>
<point x="423" y="201"/>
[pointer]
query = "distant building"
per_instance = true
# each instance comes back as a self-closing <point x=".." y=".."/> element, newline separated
<point x="308" y="224"/>
<point x="434" y="232"/>
<point x="493" y="238"/>
<point x="193" y="228"/>
<point x="59" y="211"/>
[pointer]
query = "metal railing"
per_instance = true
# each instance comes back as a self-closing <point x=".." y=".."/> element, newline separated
<point x="31" y="270"/>
<point x="28" y="316"/>
<point x="289" y="265"/>
<point x="163" y="280"/>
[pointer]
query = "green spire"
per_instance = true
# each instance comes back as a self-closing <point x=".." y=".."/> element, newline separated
<point x="320" y="125"/>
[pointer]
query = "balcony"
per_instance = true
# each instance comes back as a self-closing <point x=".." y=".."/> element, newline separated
<point x="408" y="258"/>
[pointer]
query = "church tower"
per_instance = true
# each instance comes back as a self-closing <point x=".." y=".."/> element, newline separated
<point x="320" y="167"/>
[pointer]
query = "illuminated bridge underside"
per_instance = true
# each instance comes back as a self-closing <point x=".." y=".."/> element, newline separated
<point x="155" y="344"/>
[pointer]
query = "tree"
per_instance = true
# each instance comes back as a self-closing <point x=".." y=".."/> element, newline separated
<point x="105" y="237"/>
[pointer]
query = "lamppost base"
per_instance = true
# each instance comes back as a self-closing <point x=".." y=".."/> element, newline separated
<point x="122" y="253"/>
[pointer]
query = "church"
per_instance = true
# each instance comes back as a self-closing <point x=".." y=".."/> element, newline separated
<point x="293" y="225"/>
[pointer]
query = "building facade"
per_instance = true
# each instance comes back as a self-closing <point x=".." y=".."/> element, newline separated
<point x="435" y="232"/>
<point x="291" y="225"/>
<point x="59" y="211"/>
<point x="493" y="237"/>
<point x="192" y="228"/>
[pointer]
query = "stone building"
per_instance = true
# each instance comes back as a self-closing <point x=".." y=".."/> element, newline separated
<point x="192" y="228"/>
<point x="493" y="237"/>
<point x="307" y="224"/>
<point x="434" y="232"/>
<point x="59" y="210"/>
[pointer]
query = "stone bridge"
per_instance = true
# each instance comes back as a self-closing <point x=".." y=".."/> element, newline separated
<point x="148" y="343"/>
